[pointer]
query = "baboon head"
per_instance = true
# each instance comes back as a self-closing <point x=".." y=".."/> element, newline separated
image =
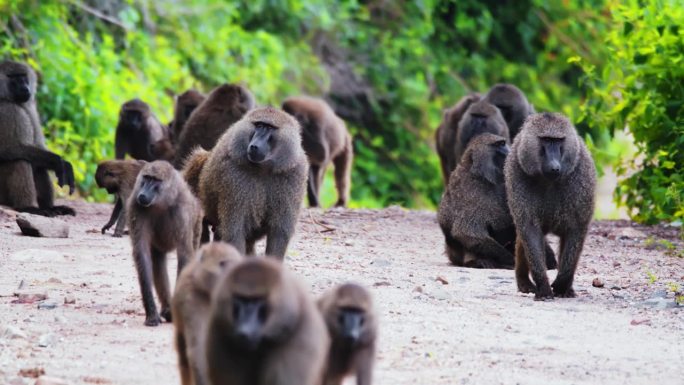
<point x="234" y="98"/>
<point x="214" y="259"/>
<point x="453" y="115"/>
<point x="162" y="149"/>
<point x="157" y="185"/>
<point x="479" y="118"/>
<point x="134" y="113"/>
<point x="17" y="82"/>
<point x="267" y="137"/>
<point x="485" y="157"/>
<point x="348" y="313"/>
<point x="549" y="146"/>
<point x="186" y="104"/>
<point x="255" y="304"/>
<point x="512" y="103"/>
<point x="113" y="174"/>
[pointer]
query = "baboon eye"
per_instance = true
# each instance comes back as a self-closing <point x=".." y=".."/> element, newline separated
<point x="222" y="263"/>
<point x="262" y="313"/>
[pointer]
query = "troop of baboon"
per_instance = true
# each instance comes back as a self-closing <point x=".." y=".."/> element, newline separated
<point x="226" y="172"/>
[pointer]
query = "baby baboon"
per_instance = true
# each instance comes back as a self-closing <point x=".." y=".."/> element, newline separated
<point x="225" y="105"/>
<point x="264" y="329"/>
<point x="349" y="315"/>
<point x="479" y="118"/>
<point x="190" y="306"/>
<point x="513" y="105"/>
<point x="137" y="130"/>
<point x="445" y="137"/>
<point x="325" y="139"/>
<point x="253" y="183"/>
<point x="118" y="178"/>
<point x="550" y="182"/>
<point x="192" y="169"/>
<point x="25" y="184"/>
<point x="185" y="104"/>
<point x="473" y="214"/>
<point x="163" y="215"/>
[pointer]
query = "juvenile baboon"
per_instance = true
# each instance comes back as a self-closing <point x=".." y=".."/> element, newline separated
<point x="192" y="169"/>
<point x="25" y="183"/>
<point x="137" y="130"/>
<point x="350" y="317"/>
<point x="225" y="105"/>
<point x="190" y="306"/>
<point x="446" y="134"/>
<point x="325" y="139"/>
<point x="481" y="117"/>
<point x="253" y="183"/>
<point x="513" y="105"/>
<point x="473" y="213"/>
<point x="264" y="329"/>
<point x="163" y="215"/>
<point x="550" y="182"/>
<point x="185" y="104"/>
<point x="118" y="178"/>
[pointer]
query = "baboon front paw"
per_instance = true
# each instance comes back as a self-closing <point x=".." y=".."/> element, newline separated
<point x="526" y="286"/>
<point x="166" y="314"/>
<point x="117" y="235"/>
<point x="563" y="292"/>
<point x="544" y="294"/>
<point x="152" y="320"/>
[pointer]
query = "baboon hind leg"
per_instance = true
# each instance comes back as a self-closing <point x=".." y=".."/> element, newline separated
<point x="161" y="283"/>
<point x="312" y="187"/>
<point x="522" y="269"/>
<point x="343" y="166"/>
<point x="570" y="250"/>
<point x="18" y="185"/>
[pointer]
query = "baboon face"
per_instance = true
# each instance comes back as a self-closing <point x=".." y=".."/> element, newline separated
<point x="349" y="317"/>
<point x="111" y="174"/>
<point x="154" y="183"/>
<point x="133" y="114"/>
<point x="486" y="155"/>
<point x="18" y="82"/>
<point x="549" y="146"/>
<point x="261" y="142"/>
<point x="214" y="259"/>
<point x="233" y="96"/>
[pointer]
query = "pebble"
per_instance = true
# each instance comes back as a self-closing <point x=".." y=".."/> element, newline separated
<point x="380" y="263"/>
<point x="47" y="340"/>
<point x="69" y="299"/>
<point x="47" y="305"/>
<point x="597" y="282"/>
<point x="13" y="332"/>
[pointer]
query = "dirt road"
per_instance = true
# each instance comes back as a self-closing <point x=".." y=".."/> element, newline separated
<point x="439" y="324"/>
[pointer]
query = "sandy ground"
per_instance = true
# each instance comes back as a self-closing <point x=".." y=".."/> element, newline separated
<point x="467" y="327"/>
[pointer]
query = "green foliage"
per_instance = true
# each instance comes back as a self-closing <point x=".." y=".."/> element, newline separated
<point x="639" y="86"/>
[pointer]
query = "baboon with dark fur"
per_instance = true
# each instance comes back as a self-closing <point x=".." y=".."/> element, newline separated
<point x="138" y="129"/>
<point x="190" y="307"/>
<point x="481" y="117"/>
<point x="325" y="140"/>
<point x="513" y="105"/>
<point x="350" y="317"/>
<point x="163" y="215"/>
<point x="25" y="161"/>
<point x="473" y="213"/>
<point x="225" y="105"/>
<point x="253" y="183"/>
<point x="264" y="329"/>
<point x="446" y="134"/>
<point x="118" y="178"/>
<point x="550" y="182"/>
<point x="185" y="104"/>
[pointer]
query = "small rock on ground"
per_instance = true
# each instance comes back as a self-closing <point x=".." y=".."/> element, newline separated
<point x="38" y="226"/>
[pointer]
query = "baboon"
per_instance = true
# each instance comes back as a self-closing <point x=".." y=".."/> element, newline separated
<point x="350" y="317"/>
<point x="118" y="178"/>
<point x="479" y="118"/>
<point x="192" y="169"/>
<point x="137" y="130"/>
<point x="185" y="104"/>
<point x="446" y="134"/>
<point x="550" y="182"/>
<point x="325" y="139"/>
<point x="253" y="183"/>
<point x="473" y="213"/>
<point x="225" y="105"/>
<point x="264" y="329"/>
<point x="163" y="215"/>
<point x="25" y="161"/>
<point x="190" y="306"/>
<point x="163" y="150"/>
<point x="513" y="105"/>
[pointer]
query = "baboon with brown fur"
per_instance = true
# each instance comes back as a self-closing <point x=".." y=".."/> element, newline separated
<point x="118" y="178"/>
<point x="225" y="105"/>
<point x="190" y="307"/>
<point x="253" y="183"/>
<point x="185" y="104"/>
<point x="25" y="161"/>
<point x="163" y="215"/>
<point x="137" y="130"/>
<point x="446" y="134"/>
<point x="473" y="213"/>
<point x="264" y="329"/>
<point x="350" y="317"/>
<point x="513" y="105"/>
<point x="481" y="117"/>
<point x="325" y="140"/>
<point x="192" y="169"/>
<point x="550" y="182"/>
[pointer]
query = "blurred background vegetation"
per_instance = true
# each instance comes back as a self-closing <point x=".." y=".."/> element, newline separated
<point x="389" y="68"/>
